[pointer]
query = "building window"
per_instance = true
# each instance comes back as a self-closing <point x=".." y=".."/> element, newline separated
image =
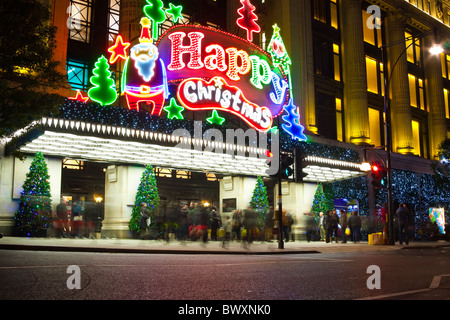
<point x="336" y="62"/>
<point x="416" y="137"/>
<point x="445" y="64"/>
<point x="73" y="164"/>
<point x="372" y="36"/>
<point x="372" y="75"/>
<point x="326" y="11"/>
<point x="339" y="119"/>
<point x="374" y="126"/>
<point x="163" y="173"/>
<point x="113" y="19"/>
<point x="413" y="53"/>
<point x="80" y="12"/>
<point x="447" y="104"/>
<point x="417" y="95"/>
<point x="416" y="92"/>
<point x="77" y="74"/>
<point x="375" y="76"/>
<point x="181" y="174"/>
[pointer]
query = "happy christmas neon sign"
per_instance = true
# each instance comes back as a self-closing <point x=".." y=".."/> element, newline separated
<point x="209" y="70"/>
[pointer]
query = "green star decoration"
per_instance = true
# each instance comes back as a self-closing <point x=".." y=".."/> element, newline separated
<point x="175" y="12"/>
<point x="174" y="110"/>
<point x="215" y="118"/>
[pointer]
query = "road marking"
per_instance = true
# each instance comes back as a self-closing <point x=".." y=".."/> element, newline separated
<point x="437" y="281"/>
<point x="394" y="294"/>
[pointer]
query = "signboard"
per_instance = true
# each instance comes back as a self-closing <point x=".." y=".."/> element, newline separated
<point x="199" y="68"/>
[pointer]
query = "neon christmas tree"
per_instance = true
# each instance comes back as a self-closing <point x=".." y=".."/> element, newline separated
<point x="260" y="203"/>
<point x="248" y="18"/>
<point x="34" y="214"/>
<point x="291" y="123"/>
<point x="147" y="193"/>
<point x="154" y="11"/>
<point x="280" y="57"/>
<point x="104" y="90"/>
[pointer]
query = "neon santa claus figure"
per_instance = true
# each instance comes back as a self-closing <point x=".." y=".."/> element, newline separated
<point x="144" y="75"/>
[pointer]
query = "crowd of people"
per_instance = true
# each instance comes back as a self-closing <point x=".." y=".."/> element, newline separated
<point x="332" y="227"/>
<point x="197" y="222"/>
<point x="73" y="221"/>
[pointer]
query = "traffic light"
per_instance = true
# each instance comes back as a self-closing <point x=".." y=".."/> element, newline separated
<point x="300" y="164"/>
<point x="273" y="167"/>
<point x="378" y="175"/>
<point x="287" y="166"/>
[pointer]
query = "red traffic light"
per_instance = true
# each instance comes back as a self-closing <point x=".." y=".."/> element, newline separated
<point x="375" y="168"/>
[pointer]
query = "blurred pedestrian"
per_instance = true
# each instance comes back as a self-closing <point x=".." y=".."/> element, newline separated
<point x="344" y="225"/>
<point x="144" y="222"/>
<point x="268" y="225"/>
<point x="249" y="223"/>
<point x="322" y="229"/>
<point x="236" y="225"/>
<point x="61" y="214"/>
<point x="403" y="223"/>
<point x="310" y="225"/>
<point x="215" y="221"/>
<point x="354" y="222"/>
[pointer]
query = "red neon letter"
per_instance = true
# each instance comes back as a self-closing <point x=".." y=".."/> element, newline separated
<point x="178" y="50"/>
<point x="215" y="61"/>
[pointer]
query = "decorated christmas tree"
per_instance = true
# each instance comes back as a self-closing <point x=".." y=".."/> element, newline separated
<point x="291" y="122"/>
<point x="147" y="193"/>
<point x="104" y="90"/>
<point x="260" y="203"/>
<point x="34" y="215"/>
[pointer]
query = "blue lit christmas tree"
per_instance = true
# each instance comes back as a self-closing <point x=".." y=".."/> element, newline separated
<point x="291" y="123"/>
<point x="34" y="215"/>
<point x="260" y="203"/>
<point x="147" y="193"/>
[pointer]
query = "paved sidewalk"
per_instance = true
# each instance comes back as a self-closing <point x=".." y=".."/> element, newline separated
<point x="215" y="247"/>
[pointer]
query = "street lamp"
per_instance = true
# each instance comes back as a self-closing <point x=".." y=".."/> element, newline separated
<point x="436" y="49"/>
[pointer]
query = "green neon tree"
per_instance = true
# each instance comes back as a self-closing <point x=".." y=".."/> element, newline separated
<point x="147" y="193"/>
<point x="104" y="90"/>
<point x="260" y="203"/>
<point x="154" y="11"/>
<point x="34" y="215"/>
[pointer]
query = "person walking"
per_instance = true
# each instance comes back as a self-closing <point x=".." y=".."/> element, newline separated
<point x="143" y="220"/>
<point x="310" y="225"/>
<point x="403" y="223"/>
<point x="322" y="230"/>
<point x="334" y="225"/>
<point x="216" y="222"/>
<point x="268" y="225"/>
<point x="236" y="225"/>
<point x="344" y="225"/>
<point x="354" y="222"/>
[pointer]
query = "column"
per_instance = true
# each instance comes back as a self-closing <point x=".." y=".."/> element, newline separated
<point x="435" y="98"/>
<point x="402" y="138"/>
<point x="120" y="191"/>
<point x="303" y="63"/>
<point x="355" y="78"/>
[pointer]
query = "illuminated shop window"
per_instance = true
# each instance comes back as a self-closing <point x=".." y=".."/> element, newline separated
<point x="77" y="75"/>
<point x="375" y="76"/>
<point x="211" y="177"/>
<point x="163" y="173"/>
<point x="80" y="12"/>
<point x="73" y="164"/>
<point x="181" y="174"/>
